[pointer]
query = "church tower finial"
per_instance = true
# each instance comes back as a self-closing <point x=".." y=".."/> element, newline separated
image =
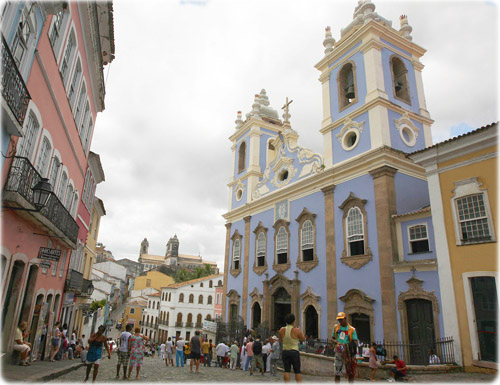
<point x="405" y="29"/>
<point x="329" y="41"/>
<point x="238" y="121"/>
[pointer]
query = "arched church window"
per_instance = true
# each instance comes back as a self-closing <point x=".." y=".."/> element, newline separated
<point x="400" y="80"/>
<point x="236" y="254"/>
<point x="355" y="232"/>
<point x="307" y="241"/>
<point x="271" y="152"/>
<point x="242" y="157"/>
<point x="261" y="249"/>
<point x="282" y="246"/>
<point x="346" y="83"/>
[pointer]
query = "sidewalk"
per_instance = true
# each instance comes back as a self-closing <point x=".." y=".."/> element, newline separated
<point x="39" y="371"/>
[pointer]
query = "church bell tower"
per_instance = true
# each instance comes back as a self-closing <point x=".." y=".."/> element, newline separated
<point x="372" y="88"/>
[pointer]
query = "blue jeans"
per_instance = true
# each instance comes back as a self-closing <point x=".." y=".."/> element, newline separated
<point x="179" y="356"/>
<point x="249" y="360"/>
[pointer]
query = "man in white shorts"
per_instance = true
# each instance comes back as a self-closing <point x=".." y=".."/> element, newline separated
<point x="169" y="347"/>
<point x="20" y="345"/>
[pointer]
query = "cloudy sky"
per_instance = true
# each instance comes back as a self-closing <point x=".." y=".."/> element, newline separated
<point x="183" y="68"/>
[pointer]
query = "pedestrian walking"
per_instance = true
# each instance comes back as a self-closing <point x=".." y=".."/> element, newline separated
<point x="169" y="352"/>
<point x="243" y="356"/>
<point x="55" y="341"/>
<point x="249" y="353"/>
<point x="96" y="341"/>
<point x="275" y="355"/>
<point x="187" y="350"/>
<point x="123" y="352"/>
<point x="290" y="336"/>
<point x="206" y="351"/>
<point x="179" y="352"/>
<point x="266" y="357"/>
<point x="345" y="338"/>
<point x="72" y="341"/>
<point x="195" y="348"/>
<point x="257" y="356"/>
<point x="372" y="363"/>
<point x="233" y="355"/>
<point x="221" y="353"/>
<point x="162" y="350"/>
<point x="136" y="344"/>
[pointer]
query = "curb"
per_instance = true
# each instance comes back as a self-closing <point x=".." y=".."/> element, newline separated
<point x="53" y="375"/>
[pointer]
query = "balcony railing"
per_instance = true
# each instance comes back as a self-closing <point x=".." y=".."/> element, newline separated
<point x="74" y="281"/>
<point x="179" y="324"/>
<point x="189" y="324"/>
<point x="199" y="325"/>
<point x="22" y="177"/>
<point x="14" y="90"/>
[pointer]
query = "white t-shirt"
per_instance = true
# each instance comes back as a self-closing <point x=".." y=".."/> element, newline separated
<point x="221" y="349"/>
<point x="162" y="347"/>
<point x="169" y="346"/>
<point x="124" y="341"/>
<point x="180" y="345"/>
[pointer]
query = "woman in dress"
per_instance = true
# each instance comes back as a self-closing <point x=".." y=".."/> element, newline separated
<point x="96" y="341"/>
<point x="136" y="348"/>
<point x="55" y="341"/>
<point x="372" y="363"/>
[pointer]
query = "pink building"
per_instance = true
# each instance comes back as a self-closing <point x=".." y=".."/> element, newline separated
<point x="219" y="290"/>
<point x="49" y="136"/>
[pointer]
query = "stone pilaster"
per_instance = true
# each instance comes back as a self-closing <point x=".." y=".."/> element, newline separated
<point x="296" y="298"/>
<point x="246" y="266"/>
<point x="331" y="266"/>
<point x="226" y="272"/>
<point x="266" y="301"/>
<point x="385" y="207"/>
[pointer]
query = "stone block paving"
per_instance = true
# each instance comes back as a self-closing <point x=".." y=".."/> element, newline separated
<point x="154" y="370"/>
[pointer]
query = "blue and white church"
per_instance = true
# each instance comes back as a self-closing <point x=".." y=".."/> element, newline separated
<point x="349" y="229"/>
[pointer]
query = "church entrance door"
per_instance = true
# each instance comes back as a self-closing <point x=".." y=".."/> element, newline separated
<point x="311" y="316"/>
<point x="256" y="315"/>
<point x="282" y="305"/>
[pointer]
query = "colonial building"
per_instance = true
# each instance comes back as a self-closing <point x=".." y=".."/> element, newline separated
<point x="348" y="229"/>
<point x="179" y="309"/>
<point x="53" y="56"/>
<point x="172" y="258"/>
<point x="463" y="177"/>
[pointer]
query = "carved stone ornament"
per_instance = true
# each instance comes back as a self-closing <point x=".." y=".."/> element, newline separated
<point x="233" y="297"/>
<point x="283" y="172"/>
<point x="307" y="266"/>
<point x="235" y="272"/>
<point x="350" y="125"/>
<point x="278" y="281"/>
<point x="256" y="297"/>
<point x="282" y="267"/>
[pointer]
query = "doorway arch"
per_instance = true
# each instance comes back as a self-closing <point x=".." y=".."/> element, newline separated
<point x="282" y="305"/>
<point x="311" y="321"/>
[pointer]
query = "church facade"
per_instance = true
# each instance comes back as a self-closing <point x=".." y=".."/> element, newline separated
<point x="172" y="258"/>
<point x="349" y="229"/>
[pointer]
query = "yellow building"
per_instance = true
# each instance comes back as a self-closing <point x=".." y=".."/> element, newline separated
<point x="82" y="302"/>
<point x="133" y="311"/>
<point x="152" y="279"/>
<point x="462" y="176"/>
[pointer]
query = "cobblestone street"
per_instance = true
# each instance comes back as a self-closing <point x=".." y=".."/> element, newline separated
<point x="154" y="370"/>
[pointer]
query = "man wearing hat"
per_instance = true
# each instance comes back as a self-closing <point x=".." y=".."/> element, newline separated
<point x="275" y="354"/>
<point x="345" y="339"/>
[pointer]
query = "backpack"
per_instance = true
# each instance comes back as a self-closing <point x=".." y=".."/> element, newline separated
<point x="257" y="347"/>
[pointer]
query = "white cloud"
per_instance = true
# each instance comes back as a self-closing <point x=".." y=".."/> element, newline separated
<point x="183" y="69"/>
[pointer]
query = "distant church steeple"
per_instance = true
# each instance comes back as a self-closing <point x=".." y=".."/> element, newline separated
<point x="144" y="247"/>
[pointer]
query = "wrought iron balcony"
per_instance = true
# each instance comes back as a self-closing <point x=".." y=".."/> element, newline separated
<point x="74" y="281"/>
<point x="199" y="325"/>
<point x="189" y="324"/>
<point x="18" y="189"/>
<point x="14" y="91"/>
<point x="179" y="324"/>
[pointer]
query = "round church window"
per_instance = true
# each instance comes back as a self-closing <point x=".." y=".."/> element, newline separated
<point x="350" y="139"/>
<point x="407" y="135"/>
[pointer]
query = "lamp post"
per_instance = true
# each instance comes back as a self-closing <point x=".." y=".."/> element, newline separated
<point x="41" y="194"/>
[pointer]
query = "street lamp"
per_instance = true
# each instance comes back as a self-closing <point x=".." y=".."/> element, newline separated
<point x="41" y="194"/>
<point x="90" y="289"/>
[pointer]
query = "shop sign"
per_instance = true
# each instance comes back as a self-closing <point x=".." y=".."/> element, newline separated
<point x="209" y="326"/>
<point x="45" y="264"/>
<point x="49" y="254"/>
<point x="68" y="299"/>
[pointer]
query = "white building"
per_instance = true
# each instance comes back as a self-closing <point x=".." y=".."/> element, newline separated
<point x="181" y="308"/>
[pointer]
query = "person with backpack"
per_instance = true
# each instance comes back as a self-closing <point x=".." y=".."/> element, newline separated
<point x="257" y="356"/>
<point x="345" y="338"/>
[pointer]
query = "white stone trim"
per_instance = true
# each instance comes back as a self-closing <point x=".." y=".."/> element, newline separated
<point x="449" y="314"/>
